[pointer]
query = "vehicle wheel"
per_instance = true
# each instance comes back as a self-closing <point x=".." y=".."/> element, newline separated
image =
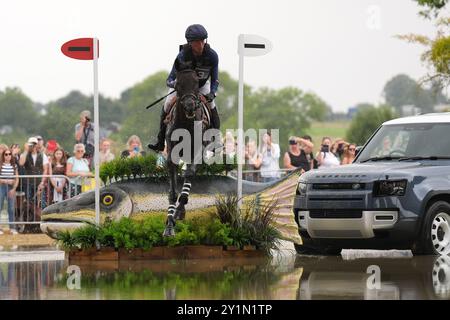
<point x="435" y="234"/>
<point x="440" y="278"/>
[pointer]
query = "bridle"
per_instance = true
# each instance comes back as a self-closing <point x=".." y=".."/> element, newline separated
<point x="196" y="100"/>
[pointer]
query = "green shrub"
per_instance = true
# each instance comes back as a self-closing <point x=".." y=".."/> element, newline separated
<point x="147" y="167"/>
<point x="147" y="233"/>
<point x="66" y="240"/>
<point x="210" y="231"/>
<point x="253" y="225"/>
<point x="85" y="237"/>
<point x="184" y="236"/>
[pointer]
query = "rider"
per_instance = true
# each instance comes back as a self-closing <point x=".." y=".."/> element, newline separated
<point x="199" y="56"/>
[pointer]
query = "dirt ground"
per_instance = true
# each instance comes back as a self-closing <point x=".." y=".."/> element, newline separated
<point x="8" y="240"/>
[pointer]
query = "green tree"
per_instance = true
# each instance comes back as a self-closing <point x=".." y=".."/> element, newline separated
<point x="59" y="124"/>
<point x="366" y="121"/>
<point x="316" y="108"/>
<point x="437" y="55"/>
<point x="17" y="111"/>
<point x="227" y="97"/>
<point x="402" y="90"/>
<point x="432" y="7"/>
<point x="139" y="120"/>
<point x="111" y="110"/>
<point x="282" y="109"/>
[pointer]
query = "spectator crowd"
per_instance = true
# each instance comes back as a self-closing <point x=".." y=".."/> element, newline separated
<point x="41" y="172"/>
<point x="263" y="164"/>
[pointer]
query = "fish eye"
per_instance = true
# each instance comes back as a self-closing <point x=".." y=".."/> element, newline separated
<point x="108" y="200"/>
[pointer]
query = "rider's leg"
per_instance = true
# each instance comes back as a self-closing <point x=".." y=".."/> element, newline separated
<point x="215" y="120"/>
<point x="159" y="145"/>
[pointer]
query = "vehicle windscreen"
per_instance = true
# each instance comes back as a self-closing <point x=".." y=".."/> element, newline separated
<point x="408" y="141"/>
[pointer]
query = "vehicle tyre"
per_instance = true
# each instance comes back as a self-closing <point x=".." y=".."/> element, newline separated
<point x="436" y="279"/>
<point x="434" y="238"/>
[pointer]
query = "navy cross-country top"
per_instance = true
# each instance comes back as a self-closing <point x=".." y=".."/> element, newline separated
<point x="206" y="66"/>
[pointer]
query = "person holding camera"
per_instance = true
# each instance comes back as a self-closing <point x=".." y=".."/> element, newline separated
<point x="84" y="133"/>
<point x="338" y="148"/>
<point x="134" y="148"/>
<point x="299" y="154"/>
<point x="270" y="153"/>
<point x="326" y="158"/>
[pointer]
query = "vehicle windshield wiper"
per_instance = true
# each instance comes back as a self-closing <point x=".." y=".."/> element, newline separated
<point x="415" y="158"/>
<point x="380" y="159"/>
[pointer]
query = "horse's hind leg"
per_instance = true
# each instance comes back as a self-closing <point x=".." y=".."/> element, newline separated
<point x="170" y="222"/>
<point x="184" y="195"/>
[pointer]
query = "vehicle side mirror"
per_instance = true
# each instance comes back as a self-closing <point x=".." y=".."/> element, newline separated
<point x="357" y="150"/>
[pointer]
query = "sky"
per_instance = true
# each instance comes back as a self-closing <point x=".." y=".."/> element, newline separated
<point x="342" y="50"/>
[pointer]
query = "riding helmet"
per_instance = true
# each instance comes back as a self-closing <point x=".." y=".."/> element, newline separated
<point x="196" y="32"/>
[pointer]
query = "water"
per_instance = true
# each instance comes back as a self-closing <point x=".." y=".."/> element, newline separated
<point x="285" y="276"/>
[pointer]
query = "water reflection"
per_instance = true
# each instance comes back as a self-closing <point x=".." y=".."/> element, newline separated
<point x="285" y="278"/>
<point x="418" y="278"/>
<point x="29" y="280"/>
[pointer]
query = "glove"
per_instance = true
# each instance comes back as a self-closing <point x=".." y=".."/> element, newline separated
<point x="210" y="97"/>
<point x="171" y="84"/>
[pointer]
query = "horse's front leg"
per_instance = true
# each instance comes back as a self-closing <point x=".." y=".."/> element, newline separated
<point x="184" y="195"/>
<point x="170" y="222"/>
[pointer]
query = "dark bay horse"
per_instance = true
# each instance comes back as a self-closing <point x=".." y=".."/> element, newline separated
<point x="188" y="112"/>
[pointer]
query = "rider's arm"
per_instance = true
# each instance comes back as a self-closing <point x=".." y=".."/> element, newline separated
<point x="214" y="72"/>
<point x="171" y="79"/>
<point x="170" y="82"/>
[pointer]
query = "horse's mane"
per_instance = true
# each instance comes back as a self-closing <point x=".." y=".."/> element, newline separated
<point x="187" y="82"/>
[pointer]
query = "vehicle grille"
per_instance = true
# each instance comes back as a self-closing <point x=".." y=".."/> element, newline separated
<point x="335" y="214"/>
<point x="338" y="186"/>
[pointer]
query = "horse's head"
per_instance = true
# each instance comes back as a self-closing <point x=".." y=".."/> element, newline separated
<point x="187" y="92"/>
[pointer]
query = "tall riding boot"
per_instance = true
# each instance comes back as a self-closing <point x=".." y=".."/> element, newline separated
<point x="215" y="120"/>
<point x="159" y="146"/>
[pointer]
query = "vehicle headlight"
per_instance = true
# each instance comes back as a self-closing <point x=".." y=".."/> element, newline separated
<point x="390" y="188"/>
<point x="301" y="188"/>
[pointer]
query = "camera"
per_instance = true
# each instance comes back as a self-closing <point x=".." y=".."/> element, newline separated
<point x="325" y="148"/>
<point x="87" y="119"/>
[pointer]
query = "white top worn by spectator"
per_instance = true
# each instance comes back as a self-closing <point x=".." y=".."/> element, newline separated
<point x="44" y="159"/>
<point x="270" y="167"/>
<point x="78" y="165"/>
<point x="329" y="160"/>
